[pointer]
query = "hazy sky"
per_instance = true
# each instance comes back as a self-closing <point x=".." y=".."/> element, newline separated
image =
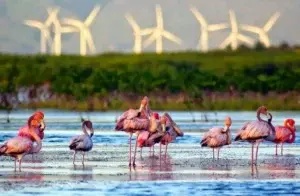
<point x="111" y="31"/>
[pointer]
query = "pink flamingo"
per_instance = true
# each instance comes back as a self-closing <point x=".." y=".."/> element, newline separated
<point x="23" y="131"/>
<point x="256" y="131"/>
<point x="133" y="121"/>
<point x="83" y="142"/>
<point x="217" y="137"/>
<point x="148" y="138"/>
<point x="19" y="146"/>
<point x="172" y="131"/>
<point x="285" y="133"/>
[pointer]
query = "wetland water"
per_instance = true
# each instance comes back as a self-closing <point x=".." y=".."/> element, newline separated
<point x="187" y="169"/>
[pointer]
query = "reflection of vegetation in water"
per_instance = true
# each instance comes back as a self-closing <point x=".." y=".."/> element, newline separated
<point x="179" y="81"/>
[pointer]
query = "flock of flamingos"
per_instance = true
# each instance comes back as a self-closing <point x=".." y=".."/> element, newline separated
<point x="151" y="129"/>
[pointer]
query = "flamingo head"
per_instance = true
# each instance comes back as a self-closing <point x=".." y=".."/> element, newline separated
<point x="39" y="116"/>
<point x="227" y="123"/>
<point x="89" y="125"/>
<point x="144" y="103"/>
<point x="156" y="115"/>
<point x="163" y="121"/>
<point x="290" y="123"/>
<point x="263" y="110"/>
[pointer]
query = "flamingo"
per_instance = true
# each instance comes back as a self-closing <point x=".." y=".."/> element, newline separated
<point x="133" y="121"/>
<point x="256" y="131"/>
<point x="217" y="137"/>
<point x="23" y="131"/>
<point x="285" y="133"/>
<point x="172" y="131"/>
<point x="83" y="142"/>
<point x="20" y="146"/>
<point x="148" y="138"/>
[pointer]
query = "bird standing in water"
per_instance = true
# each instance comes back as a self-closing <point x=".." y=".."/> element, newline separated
<point x="133" y="121"/>
<point x="20" y="146"/>
<point x="256" y="131"/>
<point x="217" y="137"/>
<point x="285" y="134"/>
<point x="82" y="143"/>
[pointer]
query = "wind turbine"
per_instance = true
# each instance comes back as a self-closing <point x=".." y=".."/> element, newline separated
<point x="138" y="33"/>
<point x="158" y="33"/>
<point x="235" y="35"/>
<point x="58" y="30"/>
<point x="205" y="28"/>
<point x="263" y="32"/>
<point x="86" y="39"/>
<point x="44" y="28"/>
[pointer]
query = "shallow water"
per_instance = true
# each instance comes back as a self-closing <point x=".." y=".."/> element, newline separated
<point x="186" y="169"/>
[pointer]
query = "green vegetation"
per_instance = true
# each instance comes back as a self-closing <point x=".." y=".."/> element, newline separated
<point x="186" y="80"/>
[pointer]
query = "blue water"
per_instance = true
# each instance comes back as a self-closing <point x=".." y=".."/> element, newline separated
<point x="62" y="126"/>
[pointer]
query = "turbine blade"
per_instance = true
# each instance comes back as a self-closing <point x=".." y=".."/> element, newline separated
<point x="132" y="22"/>
<point x="271" y="22"/>
<point x="34" y="23"/>
<point x="233" y="21"/>
<point x="252" y="29"/>
<point x="217" y="27"/>
<point x="146" y="31"/>
<point x="159" y="17"/>
<point x="199" y="16"/>
<point x="245" y="39"/>
<point x="52" y="16"/>
<point x="150" y="40"/>
<point x="89" y="41"/>
<point x="92" y="16"/>
<point x="68" y="29"/>
<point x="76" y="23"/>
<point x="171" y="37"/>
<point x="226" y="42"/>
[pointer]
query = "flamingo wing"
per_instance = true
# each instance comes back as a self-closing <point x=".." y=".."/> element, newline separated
<point x="254" y="130"/>
<point x="283" y="134"/>
<point x="81" y="142"/>
<point x="214" y="137"/>
<point x="18" y="145"/>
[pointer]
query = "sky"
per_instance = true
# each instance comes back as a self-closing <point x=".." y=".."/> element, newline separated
<point x="111" y="31"/>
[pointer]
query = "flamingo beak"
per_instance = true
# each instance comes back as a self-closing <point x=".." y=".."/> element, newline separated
<point x="42" y="127"/>
<point x="142" y="106"/>
<point x="92" y="132"/>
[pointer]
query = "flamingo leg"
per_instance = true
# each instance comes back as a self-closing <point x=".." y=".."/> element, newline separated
<point x="213" y="154"/>
<point x="32" y="157"/>
<point x="281" y="148"/>
<point x="141" y="152"/>
<point x="218" y="152"/>
<point x="134" y="152"/>
<point x="15" y="164"/>
<point x="153" y="150"/>
<point x="276" y="150"/>
<point x="256" y="152"/>
<point x="74" y="156"/>
<point x="252" y="149"/>
<point x="130" y="149"/>
<point x="83" y="158"/>
<point x="166" y="150"/>
<point x="20" y="164"/>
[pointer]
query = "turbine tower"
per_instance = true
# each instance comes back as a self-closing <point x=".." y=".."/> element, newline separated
<point x="263" y="32"/>
<point x="138" y="33"/>
<point x="86" y="39"/>
<point x="205" y="28"/>
<point x="159" y="32"/>
<point x="235" y="36"/>
<point x="44" y="28"/>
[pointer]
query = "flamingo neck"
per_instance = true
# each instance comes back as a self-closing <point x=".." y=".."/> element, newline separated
<point x="292" y="139"/>
<point x="228" y="136"/>
<point x="84" y="130"/>
<point x="36" y="148"/>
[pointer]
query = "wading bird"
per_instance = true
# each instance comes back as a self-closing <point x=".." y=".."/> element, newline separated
<point x="217" y="137"/>
<point x="133" y="121"/>
<point x="172" y="131"/>
<point x="19" y="146"/>
<point x="83" y="142"/>
<point x="285" y="133"/>
<point x="256" y="131"/>
<point x="152" y="136"/>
